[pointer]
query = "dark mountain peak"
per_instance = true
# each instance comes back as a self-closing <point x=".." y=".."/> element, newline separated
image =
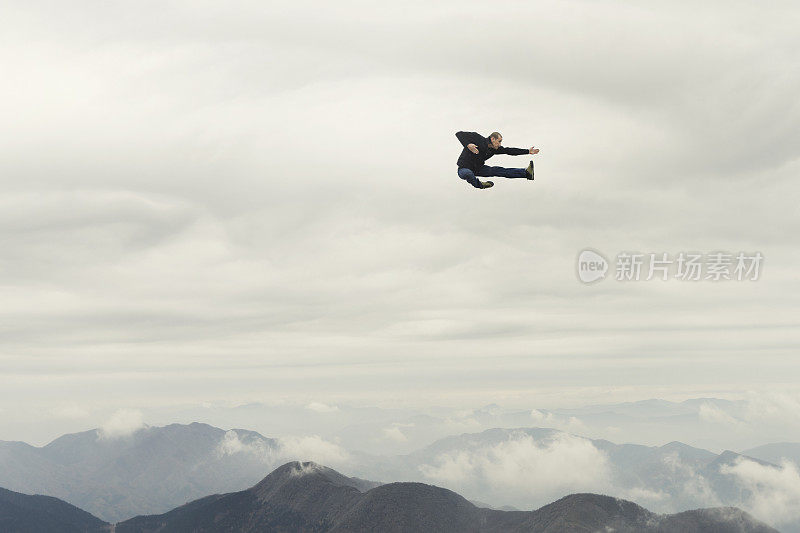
<point x="409" y="506"/>
<point x="412" y="493"/>
<point x="297" y="476"/>
<point x="601" y="504"/>
<point x="22" y="512"/>
<point x="596" y="512"/>
<point x="295" y="469"/>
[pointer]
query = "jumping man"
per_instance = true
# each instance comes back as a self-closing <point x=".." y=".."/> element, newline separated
<point x="477" y="149"/>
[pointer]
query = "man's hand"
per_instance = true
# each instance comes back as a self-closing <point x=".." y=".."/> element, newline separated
<point x="474" y="149"/>
<point x="533" y="150"/>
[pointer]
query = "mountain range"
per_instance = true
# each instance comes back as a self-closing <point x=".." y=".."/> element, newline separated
<point x="667" y="478"/>
<point x="156" y="469"/>
<point x="304" y="497"/>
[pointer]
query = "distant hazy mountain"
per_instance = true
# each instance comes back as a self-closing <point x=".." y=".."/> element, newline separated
<point x="655" y="408"/>
<point x="401" y="431"/>
<point x="310" y="497"/>
<point x="20" y="513"/>
<point x="776" y="452"/>
<point x="150" y="471"/>
<point x="659" y="472"/>
<point x="709" y="423"/>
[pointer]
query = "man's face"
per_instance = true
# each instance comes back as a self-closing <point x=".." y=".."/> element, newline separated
<point x="495" y="143"/>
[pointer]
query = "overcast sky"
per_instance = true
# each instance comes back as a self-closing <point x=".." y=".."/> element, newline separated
<point x="250" y="201"/>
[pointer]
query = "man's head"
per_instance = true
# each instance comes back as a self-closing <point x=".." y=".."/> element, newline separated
<point x="495" y="139"/>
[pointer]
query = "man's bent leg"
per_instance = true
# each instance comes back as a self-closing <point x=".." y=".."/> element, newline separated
<point x="468" y="175"/>
<point x="486" y="171"/>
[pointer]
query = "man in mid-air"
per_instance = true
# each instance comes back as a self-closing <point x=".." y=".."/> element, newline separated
<point x="477" y="149"/>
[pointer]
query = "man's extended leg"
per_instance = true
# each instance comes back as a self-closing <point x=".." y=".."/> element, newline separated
<point x="486" y="171"/>
<point x="468" y="175"/>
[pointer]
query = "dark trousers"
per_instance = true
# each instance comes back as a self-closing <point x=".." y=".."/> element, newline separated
<point x="487" y="171"/>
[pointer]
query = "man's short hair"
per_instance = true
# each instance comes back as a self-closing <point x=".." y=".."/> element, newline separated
<point x="495" y="135"/>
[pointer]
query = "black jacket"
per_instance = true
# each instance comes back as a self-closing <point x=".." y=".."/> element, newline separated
<point x="474" y="161"/>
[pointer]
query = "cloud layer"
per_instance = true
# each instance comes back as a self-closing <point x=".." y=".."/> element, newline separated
<point x="520" y="470"/>
<point x="259" y="201"/>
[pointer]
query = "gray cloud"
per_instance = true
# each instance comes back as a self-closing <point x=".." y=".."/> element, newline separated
<point x="236" y="197"/>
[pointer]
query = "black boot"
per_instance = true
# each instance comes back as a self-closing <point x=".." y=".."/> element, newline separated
<point x="529" y="170"/>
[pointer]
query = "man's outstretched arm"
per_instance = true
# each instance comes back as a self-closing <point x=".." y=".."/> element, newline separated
<point x="469" y="137"/>
<point x="517" y="151"/>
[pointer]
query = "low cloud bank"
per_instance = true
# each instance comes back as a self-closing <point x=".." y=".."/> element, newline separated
<point x="122" y="423"/>
<point x="293" y="448"/>
<point x="522" y="470"/>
